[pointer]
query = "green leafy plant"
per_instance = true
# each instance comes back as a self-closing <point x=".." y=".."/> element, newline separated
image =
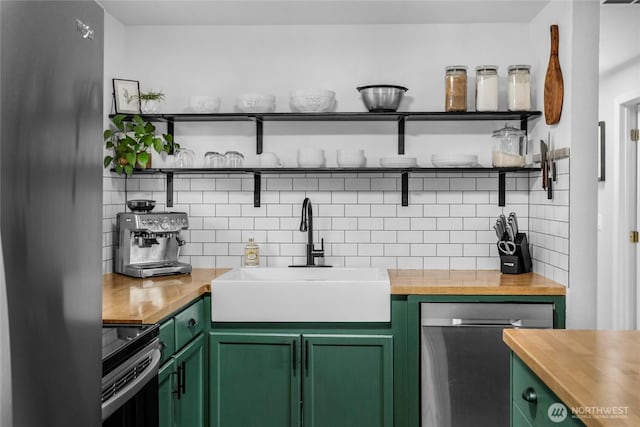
<point x="151" y="96"/>
<point x="131" y="141"/>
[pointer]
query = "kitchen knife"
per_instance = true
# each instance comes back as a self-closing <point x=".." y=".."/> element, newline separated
<point x="510" y="233"/>
<point x="543" y="163"/>
<point x="552" y="154"/>
<point x="498" y="233"/>
<point x="514" y="222"/>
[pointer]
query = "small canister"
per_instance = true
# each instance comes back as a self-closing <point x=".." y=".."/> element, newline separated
<point x="455" y="84"/>
<point x="233" y="159"/>
<point x="487" y="88"/>
<point x="509" y="147"/>
<point x="519" y="88"/>
<point x="213" y="159"/>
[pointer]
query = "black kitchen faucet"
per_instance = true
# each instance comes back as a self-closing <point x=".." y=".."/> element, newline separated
<point x="306" y="224"/>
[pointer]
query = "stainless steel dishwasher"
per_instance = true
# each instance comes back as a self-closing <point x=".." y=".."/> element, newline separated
<point x="465" y="363"/>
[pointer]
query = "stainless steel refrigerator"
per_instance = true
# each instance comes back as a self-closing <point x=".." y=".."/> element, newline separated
<point x="50" y="213"/>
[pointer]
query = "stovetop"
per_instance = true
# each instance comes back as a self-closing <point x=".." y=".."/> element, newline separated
<point x="121" y="341"/>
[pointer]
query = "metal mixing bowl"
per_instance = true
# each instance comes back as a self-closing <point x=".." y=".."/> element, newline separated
<point x="141" y="205"/>
<point x="382" y="98"/>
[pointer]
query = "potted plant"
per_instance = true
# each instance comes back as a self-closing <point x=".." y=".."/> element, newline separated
<point x="150" y="101"/>
<point x="131" y="141"/>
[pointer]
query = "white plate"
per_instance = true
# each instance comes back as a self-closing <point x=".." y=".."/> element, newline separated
<point x="454" y="160"/>
<point x="398" y="162"/>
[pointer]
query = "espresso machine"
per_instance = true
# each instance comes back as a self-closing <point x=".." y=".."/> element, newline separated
<point x="148" y="244"/>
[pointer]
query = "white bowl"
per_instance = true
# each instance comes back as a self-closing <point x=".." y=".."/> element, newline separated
<point x="350" y="158"/>
<point x="312" y="100"/>
<point x="256" y="103"/>
<point x="204" y="104"/>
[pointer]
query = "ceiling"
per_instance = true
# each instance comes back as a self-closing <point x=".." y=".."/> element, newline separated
<point x="315" y="12"/>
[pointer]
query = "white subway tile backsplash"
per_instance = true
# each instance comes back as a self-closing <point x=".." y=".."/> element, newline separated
<point x="357" y="236"/>
<point x="344" y="197"/>
<point x="449" y="223"/>
<point x="370" y="249"/>
<point x="423" y="249"/>
<point x="446" y="225"/>
<point x="397" y="223"/>
<point x="383" y="210"/>
<point x="228" y="210"/>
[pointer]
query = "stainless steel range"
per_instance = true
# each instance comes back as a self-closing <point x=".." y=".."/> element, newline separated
<point x="148" y="243"/>
<point x="130" y="361"/>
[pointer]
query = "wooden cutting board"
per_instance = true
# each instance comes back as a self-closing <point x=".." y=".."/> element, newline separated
<point x="553" y="84"/>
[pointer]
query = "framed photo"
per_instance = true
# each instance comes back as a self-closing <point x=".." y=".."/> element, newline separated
<point x="601" y="151"/>
<point x="127" y="96"/>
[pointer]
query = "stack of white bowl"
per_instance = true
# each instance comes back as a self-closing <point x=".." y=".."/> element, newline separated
<point x="256" y="103"/>
<point x="312" y="100"/>
<point x="351" y="158"/>
<point x="311" y="158"/>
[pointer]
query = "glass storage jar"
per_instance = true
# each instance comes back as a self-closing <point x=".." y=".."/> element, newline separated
<point x="455" y="84"/>
<point x="213" y="159"/>
<point x="233" y="159"/>
<point x="487" y="88"/>
<point x="508" y="147"/>
<point x="519" y="88"/>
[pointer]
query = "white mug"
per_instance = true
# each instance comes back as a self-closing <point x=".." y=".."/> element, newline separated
<point x="270" y="160"/>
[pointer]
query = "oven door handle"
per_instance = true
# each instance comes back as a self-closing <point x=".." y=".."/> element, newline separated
<point x="113" y="404"/>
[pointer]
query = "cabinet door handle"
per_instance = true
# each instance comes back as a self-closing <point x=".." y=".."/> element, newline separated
<point x="192" y="323"/>
<point x="176" y="391"/>
<point x="295" y="358"/>
<point x="183" y="384"/>
<point x="306" y="357"/>
<point x="529" y="394"/>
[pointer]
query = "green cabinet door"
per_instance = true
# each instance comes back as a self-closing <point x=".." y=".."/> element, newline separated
<point x="348" y="381"/>
<point x="166" y="395"/>
<point x="189" y="364"/>
<point x="255" y="380"/>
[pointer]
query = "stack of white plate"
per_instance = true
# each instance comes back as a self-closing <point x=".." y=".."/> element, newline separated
<point x="398" y="162"/>
<point x="454" y="160"/>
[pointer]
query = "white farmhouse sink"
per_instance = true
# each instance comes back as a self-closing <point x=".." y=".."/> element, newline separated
<point x="301" y="295"/>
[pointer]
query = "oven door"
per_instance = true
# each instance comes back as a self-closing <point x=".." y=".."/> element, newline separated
<point x="130" y="392"/>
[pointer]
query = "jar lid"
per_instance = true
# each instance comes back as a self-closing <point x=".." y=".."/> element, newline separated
<point x="487" y="68"/>
<point x="212" y="154"/>
<point x="519" y="67"/>
<point x="234" y="153"/>
<point x="456" y="68"/>
<point x="508" y="131"/>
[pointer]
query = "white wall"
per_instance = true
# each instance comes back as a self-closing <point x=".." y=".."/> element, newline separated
<point x="229" y="60"/>
<point x="619" y="78"/>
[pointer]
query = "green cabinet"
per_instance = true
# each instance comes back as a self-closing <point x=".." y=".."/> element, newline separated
<point x="181" y="383"/>
<point x="255" y="380"/>
<point x="182" y="377"/>
<point x="348" y="381"/>
<point x="273" y="379"/>
<point x="533" y="404"/>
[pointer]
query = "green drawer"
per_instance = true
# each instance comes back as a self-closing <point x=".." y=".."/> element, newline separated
<point x="536" y="411"/>
<point x="167" y="340"/>
<point x="189" y="323"/>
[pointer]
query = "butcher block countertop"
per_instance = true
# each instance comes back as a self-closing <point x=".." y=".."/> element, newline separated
<point x="471" y="282"/>
<point x="585" y="369"/>
<point x="130" y="300"/>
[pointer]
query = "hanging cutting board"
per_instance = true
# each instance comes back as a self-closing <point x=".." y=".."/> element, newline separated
<point x="553" y="84"/>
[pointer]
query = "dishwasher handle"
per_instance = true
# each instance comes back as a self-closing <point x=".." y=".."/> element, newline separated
<point x="457" y="322"/>
<point x="498" y="323"/>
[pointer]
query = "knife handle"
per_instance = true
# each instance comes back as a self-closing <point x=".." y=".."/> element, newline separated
<point x="549" y="188"/>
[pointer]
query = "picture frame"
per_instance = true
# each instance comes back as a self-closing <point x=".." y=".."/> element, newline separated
<point x="601" y="151"/>
<point x="126" y="94"/>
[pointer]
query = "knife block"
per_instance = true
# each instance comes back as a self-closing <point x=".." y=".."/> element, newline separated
<point x="520" y="261"/>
